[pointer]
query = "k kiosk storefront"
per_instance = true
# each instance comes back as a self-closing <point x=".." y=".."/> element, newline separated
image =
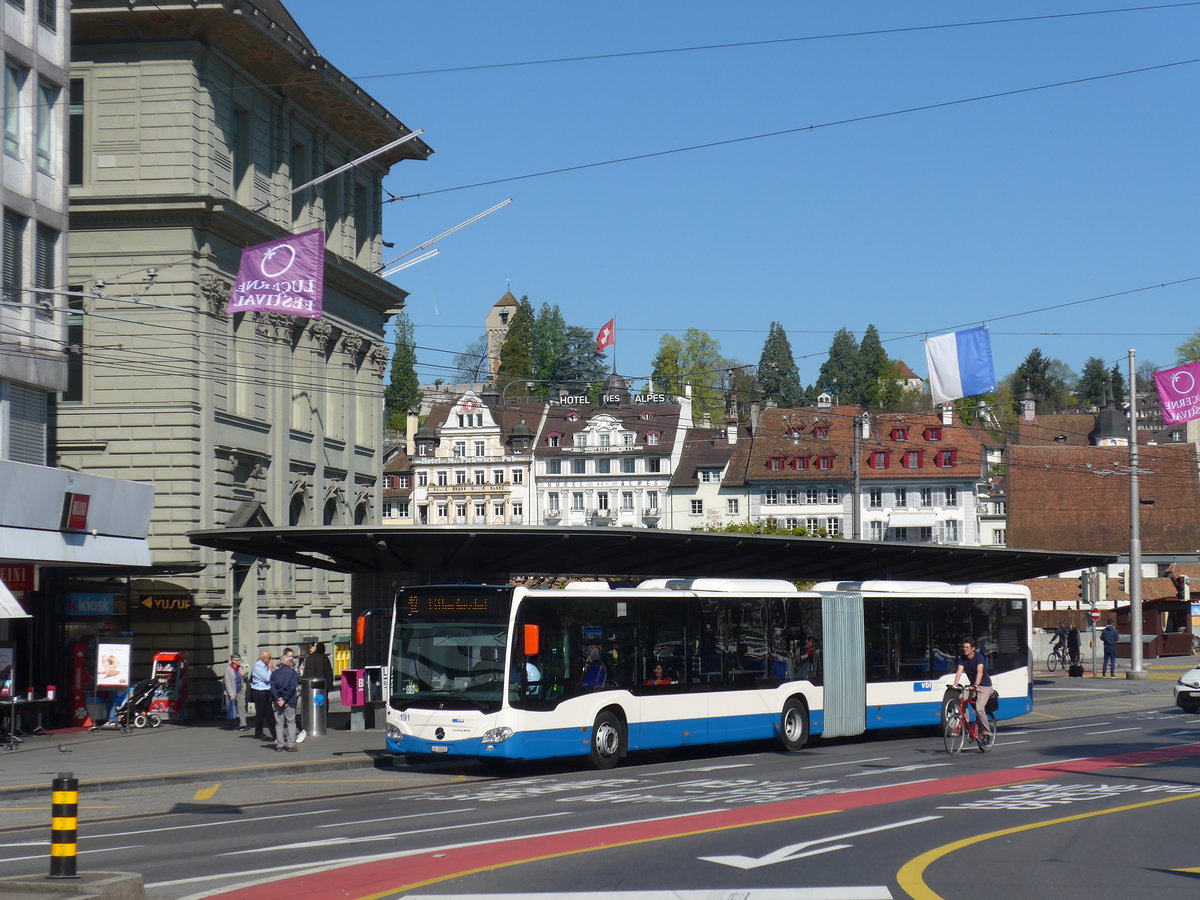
<point x="62" y="533"/>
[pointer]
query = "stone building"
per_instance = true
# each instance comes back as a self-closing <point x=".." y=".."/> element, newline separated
<point x="196" y="121"/>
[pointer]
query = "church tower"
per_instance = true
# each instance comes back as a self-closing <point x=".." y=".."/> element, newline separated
<point x="496" y="328"/>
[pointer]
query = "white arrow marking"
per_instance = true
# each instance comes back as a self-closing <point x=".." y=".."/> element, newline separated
<point x="793" y="851"/>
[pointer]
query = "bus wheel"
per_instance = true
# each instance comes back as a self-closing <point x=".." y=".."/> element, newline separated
<point x="608" y="741"/>
<point x="793" y="725"/>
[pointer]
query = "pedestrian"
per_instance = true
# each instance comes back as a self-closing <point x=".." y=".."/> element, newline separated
<point x="317" y="665"/>
<point x="260" y="693"/>
<point x="1110" y="637"/>
<point x="235" y="692"/>
<point x="285" y="691"/>
<point x="1073" y="645"/>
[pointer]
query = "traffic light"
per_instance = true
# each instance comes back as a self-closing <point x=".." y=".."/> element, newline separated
<point x="1182" y="586"/>
<point x="1085" y="588"/>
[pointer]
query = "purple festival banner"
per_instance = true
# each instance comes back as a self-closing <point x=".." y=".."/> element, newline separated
<point x="1179" y="393"/>
<point x="285" y="276"/>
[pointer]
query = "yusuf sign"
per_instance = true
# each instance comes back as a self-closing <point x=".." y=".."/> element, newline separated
<point x="285" y="276"/>
<point x="1179" y="393"/>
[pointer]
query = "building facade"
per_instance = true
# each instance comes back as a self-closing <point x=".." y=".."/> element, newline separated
<point x="196" y="122"/>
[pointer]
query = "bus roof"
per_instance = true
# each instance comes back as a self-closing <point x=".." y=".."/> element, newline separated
<point x="999" y="589"/>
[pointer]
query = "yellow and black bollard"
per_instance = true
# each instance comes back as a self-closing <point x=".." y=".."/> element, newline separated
<point x="64" y="826"/>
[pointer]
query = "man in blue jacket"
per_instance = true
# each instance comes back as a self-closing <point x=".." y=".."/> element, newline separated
<point x="285" y="691"/>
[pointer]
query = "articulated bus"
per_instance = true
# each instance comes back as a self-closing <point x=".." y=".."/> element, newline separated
<point x="504" y="673"/>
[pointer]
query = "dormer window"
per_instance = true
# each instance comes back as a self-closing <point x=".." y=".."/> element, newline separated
<point x="933" y="434"/>
<point x="825" y="462"/>
<point x="653" y="438"/>
<point x="911" y="459"/>
<point x="946" y="459"/>
<point x="646" y="415"/>
<point x="821" y="432"/>
<point x="554" y="439"/>
<point x="572" y="417"/>
<point x="900" y="433"/>
<point x="800" y="463"/>
<point x="795" y="433"/>
<point x="774" y="463"/>
<point x="877" y="459"/>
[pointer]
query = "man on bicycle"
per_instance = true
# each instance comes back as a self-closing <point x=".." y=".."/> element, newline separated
<point x="973" y="663"/>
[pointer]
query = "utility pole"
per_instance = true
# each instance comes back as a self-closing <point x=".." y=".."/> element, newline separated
<point x="856" y="467"/>
<point x="1137" y="670"/>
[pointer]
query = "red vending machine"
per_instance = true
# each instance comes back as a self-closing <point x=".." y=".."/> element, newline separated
<point x="170" y="700"/>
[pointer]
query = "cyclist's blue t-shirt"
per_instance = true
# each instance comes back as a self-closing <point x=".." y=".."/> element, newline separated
<point x="971" y="665"/>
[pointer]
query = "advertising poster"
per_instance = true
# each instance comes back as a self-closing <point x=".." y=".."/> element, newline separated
<point x="7" y="665"/>
<point x="112" y="666"/>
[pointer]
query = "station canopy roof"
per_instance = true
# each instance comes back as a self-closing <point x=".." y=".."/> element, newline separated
<point x="437" y="554"/>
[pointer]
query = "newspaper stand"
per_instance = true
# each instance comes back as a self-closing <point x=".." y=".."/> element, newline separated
<point x="170" y="700"/>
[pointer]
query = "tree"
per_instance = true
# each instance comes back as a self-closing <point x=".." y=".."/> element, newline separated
<point x="1118" y="384"/>
<point x="1042" y="377"/>
<point x="578" y="362"/>
<point x="841" y="373"/>
<point x="1189" y="350"/>
<point x="739" y="383"/>
<point x="879" y="374"/>
<point x="473" y="364"/>
<point x="777" y="373"/>
<point x="516" y="353"/>
<point x="1146" y="371"/>
<point x="1093" y="382"/>
<point x="695" y="359"/>
<point x="549" y="338"/>
<point x="403" y="390"/>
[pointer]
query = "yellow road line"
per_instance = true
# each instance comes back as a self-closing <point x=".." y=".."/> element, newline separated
<point x="207" y="793"/>
<point x="911" y="876"/>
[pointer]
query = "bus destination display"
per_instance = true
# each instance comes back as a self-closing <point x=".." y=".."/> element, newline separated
<point x="457" y="605"/>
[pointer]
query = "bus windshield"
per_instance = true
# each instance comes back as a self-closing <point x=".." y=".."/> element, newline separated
<point x="448" y="665"/>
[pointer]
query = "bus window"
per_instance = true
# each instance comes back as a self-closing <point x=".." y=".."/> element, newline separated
<point x="803" y="626"/>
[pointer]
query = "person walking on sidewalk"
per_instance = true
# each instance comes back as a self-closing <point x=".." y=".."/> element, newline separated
<point x="285" y="691"/>
<point x="1109" y="637"/>
<point x="260" y="693"/>
<point x="1073" y="645"/>
<point x="235" y="693"/>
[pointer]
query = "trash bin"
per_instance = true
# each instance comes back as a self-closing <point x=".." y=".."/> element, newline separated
<point x="314" y="705"/>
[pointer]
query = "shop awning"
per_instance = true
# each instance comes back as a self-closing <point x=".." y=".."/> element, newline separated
<point x="69" y="548"/>
<point x="9" y="607"/>
<point x="912" y="520"/>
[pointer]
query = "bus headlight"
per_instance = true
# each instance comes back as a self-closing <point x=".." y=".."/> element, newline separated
<point x="496" y="735"/>
<point x="393" y="733"/>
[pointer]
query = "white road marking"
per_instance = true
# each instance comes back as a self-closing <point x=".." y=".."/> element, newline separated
<point x="910" y="768"/>
<point x="315" y="812"/>
<point x="701" y="769"/>
<point x="328" y="842"/>
<point x="797" y="851"/>
<point x="1053" y="762"/>
<point x="853" y="762"/>
<point x="1115" y="730"/>
<point x="864" y="892"/>
<point x="440" y="812"/>
<point x="77" y="853"/>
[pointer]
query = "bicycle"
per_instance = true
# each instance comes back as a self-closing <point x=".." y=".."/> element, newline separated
<point x="1058" y="659"/>
<point x="962" y="724"/>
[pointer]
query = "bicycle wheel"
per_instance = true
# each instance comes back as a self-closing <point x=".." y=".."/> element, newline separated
<point x="1052" y="662"/>
<point x="985" y="739"/>
<point x="955" y="733"/>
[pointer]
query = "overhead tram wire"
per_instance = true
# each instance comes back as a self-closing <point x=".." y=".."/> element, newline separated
<point x="852" y="120"/>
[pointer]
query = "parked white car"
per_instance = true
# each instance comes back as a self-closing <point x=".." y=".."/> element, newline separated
<point x="1187" y="691"/>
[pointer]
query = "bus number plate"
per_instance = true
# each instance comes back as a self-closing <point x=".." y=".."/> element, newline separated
<point x="439" y="748"/>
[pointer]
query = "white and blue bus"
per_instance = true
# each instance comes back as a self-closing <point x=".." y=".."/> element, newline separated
<point x="504" y="673"/>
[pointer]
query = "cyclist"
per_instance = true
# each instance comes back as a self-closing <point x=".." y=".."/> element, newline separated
<point x="973" y="663"/>
<point x="1059" y="643"/>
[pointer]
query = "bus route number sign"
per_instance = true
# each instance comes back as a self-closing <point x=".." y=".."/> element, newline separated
<point x="455" y="605"/>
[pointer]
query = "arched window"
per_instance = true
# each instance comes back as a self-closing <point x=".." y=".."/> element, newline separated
<point x="296" y="510"/>
<point x="330" y="515"/>
<point x="360" y="514"/>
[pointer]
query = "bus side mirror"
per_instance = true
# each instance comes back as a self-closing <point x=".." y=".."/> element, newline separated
<point x="531" y="640"/>
<point x="370" y="638"/>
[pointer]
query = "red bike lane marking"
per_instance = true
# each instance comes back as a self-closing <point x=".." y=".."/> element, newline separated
<point x="381" y="878"/>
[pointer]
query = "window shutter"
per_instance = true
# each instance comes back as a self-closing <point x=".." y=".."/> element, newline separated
<point x="26" y="424"/>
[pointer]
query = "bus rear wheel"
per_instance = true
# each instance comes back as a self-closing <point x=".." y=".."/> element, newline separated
<point x="608" y="741"/>
<point x="793" y="725"/>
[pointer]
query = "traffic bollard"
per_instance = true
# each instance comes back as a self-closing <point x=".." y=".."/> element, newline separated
<point x="64" y="825"/>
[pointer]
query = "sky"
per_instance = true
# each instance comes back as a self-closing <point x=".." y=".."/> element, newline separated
<point x="1062" y="218"/>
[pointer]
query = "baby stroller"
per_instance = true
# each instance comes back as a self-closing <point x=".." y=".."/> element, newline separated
<point x="134" y="709"/>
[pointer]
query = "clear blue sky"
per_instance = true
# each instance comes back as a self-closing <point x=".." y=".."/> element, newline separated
<point x="918" y="223"/>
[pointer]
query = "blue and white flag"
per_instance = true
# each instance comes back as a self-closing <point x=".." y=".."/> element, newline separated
<point x="960" y="364"/>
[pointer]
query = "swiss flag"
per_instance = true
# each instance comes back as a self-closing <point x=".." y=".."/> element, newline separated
<point x="607" y="336"/>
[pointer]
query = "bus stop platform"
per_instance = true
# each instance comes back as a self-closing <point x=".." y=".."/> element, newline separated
<point x="194" y="752"/>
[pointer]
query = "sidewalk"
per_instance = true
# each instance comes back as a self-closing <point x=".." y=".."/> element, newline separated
<point x="176" y="753"/>
<point x="203" y="752"/>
